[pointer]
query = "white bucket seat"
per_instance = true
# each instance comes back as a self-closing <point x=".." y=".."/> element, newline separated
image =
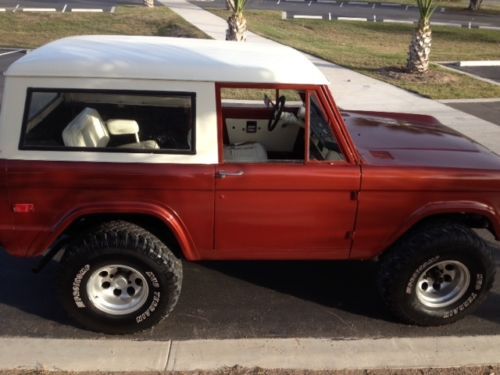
<point x="87" y="129"/>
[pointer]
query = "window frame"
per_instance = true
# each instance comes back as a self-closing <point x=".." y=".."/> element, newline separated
<point x="325" y="100"/>
<point x="31" y="90"/>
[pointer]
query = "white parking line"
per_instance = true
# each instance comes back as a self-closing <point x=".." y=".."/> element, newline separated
<point x="307" y="17"/>
<point x="112" y="9"/>
<point x="351" y="19"/>
<point x="489" y="27"/>
<point x="2" y="9"/>
<point x="11" y="52"/>
<point x="90" y="10"/>
<point x="480" y="63"/>
<point x="64" y="8"/>
<point x="15" y="9"/>
<point x="38" y="9"/>
<point x="397" y="21"/>
<point x="446" y="24"/>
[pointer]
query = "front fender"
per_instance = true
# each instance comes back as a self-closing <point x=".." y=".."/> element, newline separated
<point x="435" y="209"/>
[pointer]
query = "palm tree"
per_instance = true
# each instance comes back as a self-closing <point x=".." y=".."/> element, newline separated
<point x="236" y="23"/>
<point x="474" y="5"/>
<point x="420" y="46"/>
<point x="149" y="3"/>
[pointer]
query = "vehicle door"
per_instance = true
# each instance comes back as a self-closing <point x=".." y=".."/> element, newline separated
<point x="284" y="186"/>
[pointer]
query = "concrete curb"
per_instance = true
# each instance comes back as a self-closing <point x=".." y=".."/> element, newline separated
<point x="486" y="100"/>
<point x="312" y="354"/>
<point x="475" y="76"/>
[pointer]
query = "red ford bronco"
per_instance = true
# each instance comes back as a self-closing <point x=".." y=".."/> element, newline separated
<point x="121" y="155"/>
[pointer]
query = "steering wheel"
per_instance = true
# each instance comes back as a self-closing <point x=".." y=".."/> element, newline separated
<point x="277" y="111"/>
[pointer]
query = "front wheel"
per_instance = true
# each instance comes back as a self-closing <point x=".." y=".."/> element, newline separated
<point x="118" y="278"/>
<point x="436" y="274"/>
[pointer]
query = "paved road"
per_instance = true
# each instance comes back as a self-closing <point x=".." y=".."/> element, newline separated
<point x="239" y="300"/>
<point x="353" y="9"/>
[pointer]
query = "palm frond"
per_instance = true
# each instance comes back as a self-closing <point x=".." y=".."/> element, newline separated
<point x="426" y="8"/>
<point x="236" y="6"/>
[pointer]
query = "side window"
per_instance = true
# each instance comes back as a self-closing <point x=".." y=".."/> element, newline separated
<point x="263" y="125"/>
<point x="323" y="143"/>
<point x="111" y="121"/>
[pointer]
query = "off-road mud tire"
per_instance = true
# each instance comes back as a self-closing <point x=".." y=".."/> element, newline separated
<point x="425" y="246"/>
<point x="127" y="244"/>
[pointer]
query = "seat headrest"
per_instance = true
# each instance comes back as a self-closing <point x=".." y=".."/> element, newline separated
<point x="86" y="130"/>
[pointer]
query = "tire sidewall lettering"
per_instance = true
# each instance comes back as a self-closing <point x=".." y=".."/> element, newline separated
<point x="154" y="280"/>
<point x="151" y="308"/>
<point x="457" y="310"/>
<point x="77" y="281"/>
<point x="410" y="286"/>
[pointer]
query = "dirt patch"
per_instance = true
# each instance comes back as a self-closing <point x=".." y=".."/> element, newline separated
<point x="435" y="77"/>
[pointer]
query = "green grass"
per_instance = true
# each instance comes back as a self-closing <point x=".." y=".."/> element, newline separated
<point x="29" y="30"/>
<point x="370" y="48"/>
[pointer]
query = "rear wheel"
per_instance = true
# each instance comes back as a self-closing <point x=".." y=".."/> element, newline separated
<point x="118" y="278"/>
<point x="436" y="274"/>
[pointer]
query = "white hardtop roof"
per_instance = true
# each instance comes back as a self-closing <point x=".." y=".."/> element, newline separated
<point x="183" y="59"/>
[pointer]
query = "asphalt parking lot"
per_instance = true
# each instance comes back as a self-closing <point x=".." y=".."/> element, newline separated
<point x="239" y="300"/>
<point x="65" y="5"/>
<point x="373" y="12"/>
<point x="489" y="111"/>
<point x="489" y="72"/>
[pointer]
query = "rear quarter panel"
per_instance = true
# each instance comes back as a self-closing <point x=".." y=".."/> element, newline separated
<point x="5" y="207"/>
<point x="61" y="191"/>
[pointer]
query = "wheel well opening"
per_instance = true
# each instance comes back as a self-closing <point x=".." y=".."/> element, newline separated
<point x="473" y="221"/>
<point x="150" y="223"/>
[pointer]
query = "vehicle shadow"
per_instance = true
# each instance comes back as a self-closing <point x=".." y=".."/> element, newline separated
<point x="22" y="291"/>
<point x="349" y="286"/>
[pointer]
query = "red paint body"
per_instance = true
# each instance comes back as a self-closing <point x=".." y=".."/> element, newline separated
<point x="396" y="175"/>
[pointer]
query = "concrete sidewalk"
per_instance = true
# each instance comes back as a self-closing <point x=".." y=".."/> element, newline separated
<point x="352" y="90"/>
<point x="210" y="355"/>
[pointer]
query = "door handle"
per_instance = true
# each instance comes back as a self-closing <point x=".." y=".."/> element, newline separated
<point x="224" y="174"/>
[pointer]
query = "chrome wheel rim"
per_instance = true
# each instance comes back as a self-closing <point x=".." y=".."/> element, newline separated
<point x="117" y="289"/>
<point x="443" y="284"/>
